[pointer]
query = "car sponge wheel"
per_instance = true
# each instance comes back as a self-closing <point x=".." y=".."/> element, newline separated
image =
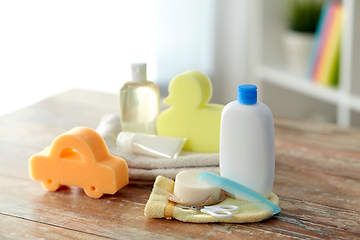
<point x="93" y="192"/>
<point x="50" y="185"/>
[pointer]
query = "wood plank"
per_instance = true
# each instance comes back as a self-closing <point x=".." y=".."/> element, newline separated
<point x="122" y="215"/>
<point x="317" y="179"/>
<point x="326" y="220"/>
<point x="28" y="136"/>
<point x="317" y="134"/>
<point x="26" y="229"/>
<point x="319" y="159"/>
<point x="317" y="187"/>
<point x="68" y="110"/>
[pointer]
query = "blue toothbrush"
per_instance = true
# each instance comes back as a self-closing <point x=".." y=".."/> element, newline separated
<point x="240" y="191"/>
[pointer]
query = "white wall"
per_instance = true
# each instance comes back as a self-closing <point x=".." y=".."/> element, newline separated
<point x="231" y="50"/>
<point x="185" y="37"/>
<point x="207" y="35"/>
<point x="47" y="47"/>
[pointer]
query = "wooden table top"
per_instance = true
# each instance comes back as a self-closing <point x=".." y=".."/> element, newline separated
<point x="317" y="180"/>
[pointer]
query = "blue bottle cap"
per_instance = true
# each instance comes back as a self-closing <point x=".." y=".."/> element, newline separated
<point x="247" y="94"/>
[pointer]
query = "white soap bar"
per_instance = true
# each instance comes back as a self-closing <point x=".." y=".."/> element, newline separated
<point x="189" y="188"/>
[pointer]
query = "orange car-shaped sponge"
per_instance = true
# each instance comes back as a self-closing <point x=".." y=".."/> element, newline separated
<point x="81" y="159"/>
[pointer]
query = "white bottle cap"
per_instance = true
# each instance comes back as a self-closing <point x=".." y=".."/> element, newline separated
<point x="123" y="141"/>
<point x="138" y="71"/>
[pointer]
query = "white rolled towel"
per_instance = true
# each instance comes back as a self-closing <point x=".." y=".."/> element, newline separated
<point x="147" y="168"/>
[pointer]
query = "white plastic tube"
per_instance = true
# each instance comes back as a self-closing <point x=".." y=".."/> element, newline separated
<point x="148" y="144"/>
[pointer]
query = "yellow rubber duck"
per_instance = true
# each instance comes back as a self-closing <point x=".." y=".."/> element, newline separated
<point x="190" y="115"/>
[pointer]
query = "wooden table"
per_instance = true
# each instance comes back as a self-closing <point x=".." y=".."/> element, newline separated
<point x="317" y="180"/>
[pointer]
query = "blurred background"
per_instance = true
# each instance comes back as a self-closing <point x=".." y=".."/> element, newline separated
<point x="48" y="47"/>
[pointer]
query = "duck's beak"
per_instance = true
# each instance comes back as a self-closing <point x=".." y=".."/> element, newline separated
<point x="167" y="100"/>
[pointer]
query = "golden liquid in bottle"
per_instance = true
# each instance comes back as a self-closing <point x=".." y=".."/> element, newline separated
<point x="139" y="107"/>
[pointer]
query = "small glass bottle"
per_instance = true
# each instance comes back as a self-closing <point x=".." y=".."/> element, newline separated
<point x="139" y="102"/>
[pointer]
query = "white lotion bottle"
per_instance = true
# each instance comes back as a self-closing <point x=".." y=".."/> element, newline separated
<point x="247" y="144"/>
<point x="139" y="102"/>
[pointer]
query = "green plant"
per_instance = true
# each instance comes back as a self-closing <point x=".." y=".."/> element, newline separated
<point x="303" y="15"/>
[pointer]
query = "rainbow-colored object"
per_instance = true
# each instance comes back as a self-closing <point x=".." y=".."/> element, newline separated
<point x="324" y="61"/>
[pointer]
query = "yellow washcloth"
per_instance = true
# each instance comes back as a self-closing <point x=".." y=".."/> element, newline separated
<point x="158" y="206"/>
